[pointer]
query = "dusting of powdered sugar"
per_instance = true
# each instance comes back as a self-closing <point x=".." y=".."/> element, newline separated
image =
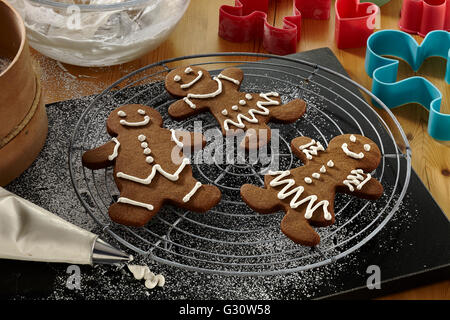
<point x="47" y="184"/>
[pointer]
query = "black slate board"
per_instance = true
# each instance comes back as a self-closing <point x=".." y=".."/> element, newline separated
<point x="409" y="253"/>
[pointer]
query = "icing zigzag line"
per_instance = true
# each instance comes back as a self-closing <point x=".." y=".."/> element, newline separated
<point x="269" y="102"/>
<point x="284" y="193"/>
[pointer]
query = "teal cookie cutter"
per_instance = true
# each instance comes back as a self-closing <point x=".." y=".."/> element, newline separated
<point x="417" y="89"/>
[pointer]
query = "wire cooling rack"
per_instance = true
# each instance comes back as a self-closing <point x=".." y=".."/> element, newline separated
<point x="231" y="238"/>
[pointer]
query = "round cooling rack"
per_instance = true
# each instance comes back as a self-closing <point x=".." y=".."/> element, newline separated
<point x="231" y="238"/>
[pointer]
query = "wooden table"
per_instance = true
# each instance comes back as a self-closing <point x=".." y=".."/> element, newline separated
<point x="197" y="33"/>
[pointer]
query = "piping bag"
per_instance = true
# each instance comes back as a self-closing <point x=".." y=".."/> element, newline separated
<point x="29" y="232"/>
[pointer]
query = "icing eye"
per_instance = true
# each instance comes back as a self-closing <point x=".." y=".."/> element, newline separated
<point x="177" y="78"/>
<point x="352" y="138"/>
<point x="188" y="70"/>
<point x="140" y="111"/>
<point x="121" y="114"/>
<point x="367" y="147"/>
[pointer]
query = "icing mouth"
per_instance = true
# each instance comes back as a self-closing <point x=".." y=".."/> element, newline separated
<point x="136" y="124"/>
<point x="190" y="84"/>
<point x="351" y="153"/>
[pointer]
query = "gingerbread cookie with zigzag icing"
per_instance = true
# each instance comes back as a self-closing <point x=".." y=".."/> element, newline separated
<point x="235" y="111"/>
<point x="307" y="193"/>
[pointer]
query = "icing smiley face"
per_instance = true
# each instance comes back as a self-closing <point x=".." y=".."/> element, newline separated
<point x="356" y="148"/>
<point x="189" y="78"/>
<point x="142" y="123"/>
<point x="132" y="117"/>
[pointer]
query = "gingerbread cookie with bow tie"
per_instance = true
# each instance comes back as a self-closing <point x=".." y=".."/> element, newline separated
<point x="235" y="111"/>
<point x="149" y="166"/>
<point x="307" y="193"/>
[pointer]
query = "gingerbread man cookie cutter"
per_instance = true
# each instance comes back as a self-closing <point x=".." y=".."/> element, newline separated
<point x="423" y="16"/>
<point x="307" y="193"/>
<point x="247" y="20"/>
<point x="417" y="89"/>
<point x="355" y="22"/>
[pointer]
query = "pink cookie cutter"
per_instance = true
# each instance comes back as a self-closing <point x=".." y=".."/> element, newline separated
<point x="247" y="20"/>
<point x="423" y="16"/>
<point x="355" y="22"/>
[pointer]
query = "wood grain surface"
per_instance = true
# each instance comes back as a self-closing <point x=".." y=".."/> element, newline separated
<point x="197" y="33"/>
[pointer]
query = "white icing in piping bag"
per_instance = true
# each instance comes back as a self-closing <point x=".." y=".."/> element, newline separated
<point x="29" y="232"/>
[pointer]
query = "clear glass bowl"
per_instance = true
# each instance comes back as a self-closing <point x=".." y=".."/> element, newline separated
<point x="100" y="33"/>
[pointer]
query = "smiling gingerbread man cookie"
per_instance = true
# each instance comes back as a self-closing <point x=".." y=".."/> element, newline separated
<point x="236" y="111"/>
<point x="149" y="166"/>
<point x="307" y="193"/>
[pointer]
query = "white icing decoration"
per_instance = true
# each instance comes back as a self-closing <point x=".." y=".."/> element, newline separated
<point x="330" y="164"/>
<point x="295" y="202"/>
<point x="221" y="76"/>
<point x="188" y="70"/>
<point x="190" y="103"/>
<point x="144" y="145"/>
<point x="356" y="178"/>
<point x="203" y="96"/>
<point x="367" y="147"/>
<point x="149" y="159"/>
<point x="224" y="112"/>
<point x="137" y="271"/>
<point x="190" y="84"/>
<point x="308" y="180"/>
<point x="235" y="108"/>
<point x="115" y="152"/>
<point x="177" y="78"/>
<point x="310" y="149"/>
<point x="188" y="196"/>
<point x="147" y="151"/>
<point x="352" y="138"/>
<point x="316" y="175"/>
<point x="323" y="169"/>
<point x="175" y="139"/>
<point x="142" y="138"/>
<point x="248" y="96"/>
<point x="351" y="153"/>
<point x="136" y="124"/>
<point x="264" y="111"/>
<point x="121" y="114"/>
<point x="155" y="168"/>
<point x="153" y="281"/>
<point x="135" y="203"/>
<point x="144" y="273"/>
<point x="242" y="102"/>
<point x="140" y="111"/>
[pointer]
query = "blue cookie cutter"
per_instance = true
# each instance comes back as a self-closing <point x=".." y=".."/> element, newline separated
<point x="395" y="93"/>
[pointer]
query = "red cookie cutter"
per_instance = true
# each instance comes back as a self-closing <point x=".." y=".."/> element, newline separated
<point x="247" y="20"/>
<point x="355" y="22"/>
<point x="423" y="16"/>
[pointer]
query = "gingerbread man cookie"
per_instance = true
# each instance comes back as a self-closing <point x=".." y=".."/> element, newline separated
<point x="307" y="193"/>
<point x="149" y="167"/>
<point x="235" y="111"/>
